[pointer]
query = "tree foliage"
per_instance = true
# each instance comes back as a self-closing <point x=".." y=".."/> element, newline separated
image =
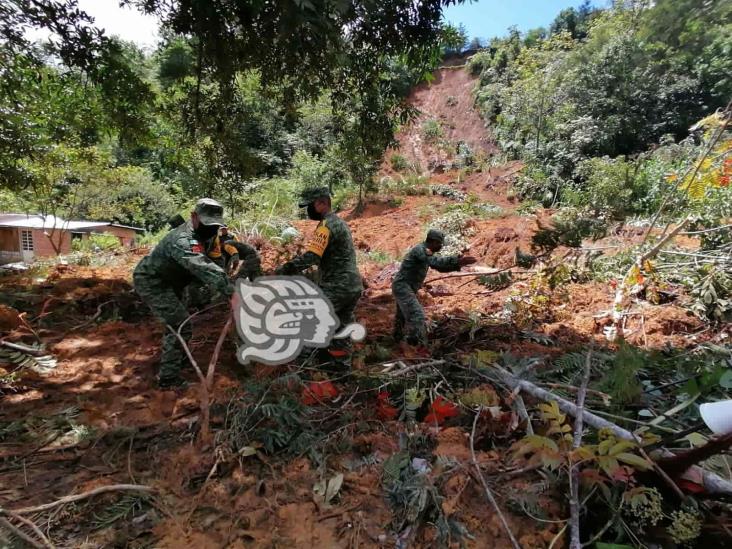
<point x="605" y="83"/>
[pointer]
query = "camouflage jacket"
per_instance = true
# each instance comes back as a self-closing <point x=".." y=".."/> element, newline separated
<point x="179" y="259"/>
<point x="331" y="249"/>
<point x="416" y="263"/>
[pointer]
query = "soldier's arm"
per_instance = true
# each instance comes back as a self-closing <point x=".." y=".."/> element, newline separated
<point x="313" y="254"/>
<point x="201" y="267"/>
<point x="251" y="264"/>
<point x="445" y="264"/>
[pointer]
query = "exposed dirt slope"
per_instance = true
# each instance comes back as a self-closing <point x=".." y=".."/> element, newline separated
<point x="106" y="343"/>
<point x="447" y="99"/>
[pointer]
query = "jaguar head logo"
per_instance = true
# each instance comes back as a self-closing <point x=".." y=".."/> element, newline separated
<point x="276" y="316"/>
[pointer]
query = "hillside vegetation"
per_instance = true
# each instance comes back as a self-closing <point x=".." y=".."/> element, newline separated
<point x="586" y="166"/>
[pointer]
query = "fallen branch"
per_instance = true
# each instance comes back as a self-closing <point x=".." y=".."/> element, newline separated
<point x="77" y="497"/>
<point x="100" y="308"/>
<point x="10" y="527"/>
<point x="476" y="274"/>
<point x="413" y="367"/>
<point x="574" y="508"/>
<point x="30" y="524"/>
<point x="487" y="490"/>
<point x="713" y="483"/>
<point x="206" y="381"/>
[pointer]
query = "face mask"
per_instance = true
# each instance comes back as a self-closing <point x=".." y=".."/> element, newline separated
<point x="206" y="232"/>
<point x="312" y="214"/>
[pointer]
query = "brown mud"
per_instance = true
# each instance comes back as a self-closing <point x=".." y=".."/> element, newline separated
<point x="139" y="434"/>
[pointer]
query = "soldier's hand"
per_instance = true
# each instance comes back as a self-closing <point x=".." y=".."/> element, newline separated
<point x="466" y="260"/>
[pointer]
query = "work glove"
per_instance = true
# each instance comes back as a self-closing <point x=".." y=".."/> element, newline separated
<point x="466" y="260"/>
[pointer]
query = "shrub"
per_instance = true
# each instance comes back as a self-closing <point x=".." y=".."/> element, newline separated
<point x="568" y="228"/>
<point x="126" y="195"/>
<point x="609" y="187"/>
<point x="398" y="162"/>
<point x="479" y="62"/>
<point x="309" y="170"/>
<point x="432" y="130"/>
<point x="457" y="226"/>
<point x="151" y="238"/>
<point x="411" y="185"/>
<point x="95" y="242"/>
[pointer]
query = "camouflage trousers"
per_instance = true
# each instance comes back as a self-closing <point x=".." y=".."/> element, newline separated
<point x="344" y="305"/>
<point x="409" y="315"/>
<point x="166" y="303"/>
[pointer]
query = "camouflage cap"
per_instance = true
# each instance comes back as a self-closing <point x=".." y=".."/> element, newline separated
<point x="310" y="195"/>
<point x="434" y="234"/>
<point x="210" y="212"/>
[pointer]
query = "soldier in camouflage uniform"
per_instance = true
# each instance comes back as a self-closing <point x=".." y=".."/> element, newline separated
<point x="237" y="259"/>
<point x="177" y="261"/>
<point x="409" y="280"/>
<point x="331" y="250"/>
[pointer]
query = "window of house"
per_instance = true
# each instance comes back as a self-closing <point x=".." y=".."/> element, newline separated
<point x="26" y="240"/>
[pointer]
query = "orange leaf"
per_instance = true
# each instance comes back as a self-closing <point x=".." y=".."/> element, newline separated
<point x="317" y="392"/>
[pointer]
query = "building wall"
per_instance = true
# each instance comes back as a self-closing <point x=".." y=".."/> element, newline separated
<point x="43" y="247"/>
<point x="9" y="245"/>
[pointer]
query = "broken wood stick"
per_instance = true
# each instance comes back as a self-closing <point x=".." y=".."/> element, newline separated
<point x="413" y="367"/>
<point x="76" y="497"/>
<point x="45" y="542"/>
<point x="713" y="483"/>
<point x="488" y="271"/>
<point x="206" y="381"/>
<point x="574" y="505"/>
<point x="10" y="527"/>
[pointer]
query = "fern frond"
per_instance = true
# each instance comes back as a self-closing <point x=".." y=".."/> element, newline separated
<point x="39" y="364"/>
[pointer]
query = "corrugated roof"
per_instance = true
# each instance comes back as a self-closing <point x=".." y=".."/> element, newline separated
<point x="51" y="222"/>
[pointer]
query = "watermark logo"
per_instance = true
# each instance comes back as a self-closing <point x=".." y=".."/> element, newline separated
<point x="276" y="316"/>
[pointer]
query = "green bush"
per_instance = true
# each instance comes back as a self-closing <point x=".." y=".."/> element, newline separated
<point x="95" y="242"/>
<point x="151" y="238"/>
<point x="479" y="62"/>
<point x="126" y="195"/>
<point x="568" y="228"/>
<point x="399" y="163"/>
<point x="607" y="187"/>
<point x="411" y="185"/>
<point x="309" y="170"/>
<point x="432" y="130"/>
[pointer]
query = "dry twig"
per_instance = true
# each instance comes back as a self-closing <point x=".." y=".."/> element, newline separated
<point x="206" y="381"/>
<point x="574" y="508"/>
<point x="10" y="527"/>
<point x="30" y="524"/>
<point x="413" y="367"/>
<point x="76" y="497"/>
